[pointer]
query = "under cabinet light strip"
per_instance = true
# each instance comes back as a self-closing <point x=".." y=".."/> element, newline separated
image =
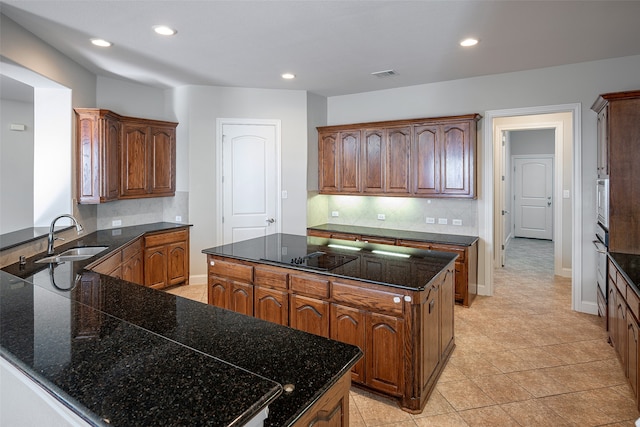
<point x="391" y="254"/>
<point x="349" y="248"/>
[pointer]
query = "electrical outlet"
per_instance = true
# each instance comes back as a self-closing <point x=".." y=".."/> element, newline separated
<point x="116" y="223"/>
<point x="381" y="217"/>
<point x="335" y="213"/>
<point x="178" y="218"/>
<point x="443" y="221"/>
<point x="431" y="220"/>
<point x="285" y="194"/>
<point x="456" y="221"/>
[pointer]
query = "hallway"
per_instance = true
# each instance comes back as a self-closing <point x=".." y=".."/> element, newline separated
<point x="522" y="358"/>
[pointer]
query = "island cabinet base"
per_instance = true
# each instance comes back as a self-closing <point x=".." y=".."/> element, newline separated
<point x="406" y="335"/>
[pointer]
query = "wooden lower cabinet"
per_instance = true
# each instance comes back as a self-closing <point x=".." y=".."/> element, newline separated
<point x="406" y="336"/>
<point x="166" y="259"/>
<point x="623" y="310"/>
<point x="271" y="305"/>
<point x="309" y="315"/>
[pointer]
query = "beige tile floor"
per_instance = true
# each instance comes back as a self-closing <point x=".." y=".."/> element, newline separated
<point x="522" y="358"/>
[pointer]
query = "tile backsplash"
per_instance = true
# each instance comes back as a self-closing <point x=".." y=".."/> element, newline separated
<point x="403" y="213"/>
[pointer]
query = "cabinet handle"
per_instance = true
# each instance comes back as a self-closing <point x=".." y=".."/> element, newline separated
<point x="396" y="300"/>
<point x="212" y="263"/>
<point x="407" y="298"/>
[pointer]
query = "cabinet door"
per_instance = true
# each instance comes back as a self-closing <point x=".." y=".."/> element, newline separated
<point x="133" y="269"/>
<point x="384" y="353"/>
<point x="446" y="311"/>
<point x="603" y="142"/>
<point x="218" y="291"/>
<point x="328" y="162"/>
<point x="373" y="161"/>
<point x="134" y="163"/>
<point x="632" y="352"/>
<point x="611" y="314"/>
<point x="457" y="160"/>
<point x="398" y="168"/>
<point x="241" y="298"/>
<point x="271" y="305"/>
<point x="162" y="178"/>
<point x="178" y="261"/>
<point x="461" y="280"/>
<point x="156" y="260"/>
<point x="348" y="325"/>
<point x="621" y="318"/>
<point x="110" y="173"/>
<point x="426" y="160"/>
<point x="431" y="338"/>
<point x="350" y="162"/>
<point x="309" y="315"/>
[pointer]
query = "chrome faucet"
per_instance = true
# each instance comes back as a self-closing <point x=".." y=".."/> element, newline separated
<point x="52" y="231"/>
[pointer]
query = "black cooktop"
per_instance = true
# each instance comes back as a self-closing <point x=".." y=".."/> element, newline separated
<point x="318" y="260"/>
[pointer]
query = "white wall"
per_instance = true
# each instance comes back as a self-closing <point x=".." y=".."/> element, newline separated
<point x="28" y="51"/>
<point x="16" y="173"/>
<point x="578" y="83"/>
<point x="198" y="107"/>
<point x="533" y="141"/>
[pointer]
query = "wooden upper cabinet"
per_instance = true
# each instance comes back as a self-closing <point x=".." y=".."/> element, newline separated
<point x="98" y="134"/>
<point x="373" y="155"/>
<point x="134" y="162"/>
<point x="123" y="157"/>
<point x="339" y="161"/>
<point x="420" y="158"/>
<point x="458" y="159"/>
<point x="426" y="162"/>
<point x="398" y="164"/>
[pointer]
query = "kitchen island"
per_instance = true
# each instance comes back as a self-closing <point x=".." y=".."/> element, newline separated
<point x="117" y="353"/>
<point x="395" y="303"/>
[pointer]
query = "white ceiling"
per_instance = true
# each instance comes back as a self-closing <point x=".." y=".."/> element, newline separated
<point x="332" y="46"/>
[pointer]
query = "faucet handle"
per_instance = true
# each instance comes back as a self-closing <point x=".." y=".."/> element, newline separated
<point x="58" y="238"/>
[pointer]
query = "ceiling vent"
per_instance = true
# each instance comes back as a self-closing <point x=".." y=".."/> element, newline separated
<point x="384" y="74"/>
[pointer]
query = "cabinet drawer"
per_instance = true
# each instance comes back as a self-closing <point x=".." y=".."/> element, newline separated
<point x="131" y="250"/>
<point x="415" y="244"/>
<point x="272" y="277"/>
<point x="611" y="268"/>
<point x="370" y="299"/>
<point x="230" y="270"/>
<point x="310" y="286"/>
<point x="318" y="233"/>
<point x="633" y="301"/>
<point x="378" y="240"/>
<point x="164" y="238"/>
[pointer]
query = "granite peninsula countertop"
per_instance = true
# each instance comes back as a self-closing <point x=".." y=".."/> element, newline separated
<point x="395" y="266"/>
<point x="119" y="353"/>
<point x="442" y="238"/>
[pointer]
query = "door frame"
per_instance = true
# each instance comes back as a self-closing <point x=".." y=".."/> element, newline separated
<point x="486" y="218"/>
<point x="220" y="122"/>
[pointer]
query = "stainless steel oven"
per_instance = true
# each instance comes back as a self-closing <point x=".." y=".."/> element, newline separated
<point x="601" y="244"/>
<point x="602" y="200"/>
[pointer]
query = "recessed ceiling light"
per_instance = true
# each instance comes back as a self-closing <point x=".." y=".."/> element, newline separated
<point x="288" y="76"/>
<point x="164" y="30"/>
<point x="100" y="42"/>
<point x="469" y="42"/>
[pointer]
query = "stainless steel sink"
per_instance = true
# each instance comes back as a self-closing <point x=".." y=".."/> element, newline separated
<point x="73" y="254"/>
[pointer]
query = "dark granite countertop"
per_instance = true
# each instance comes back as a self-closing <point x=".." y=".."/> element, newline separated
<point x="629" y="266"/>
<point x="413" y="272"/>
<point x="449" y="239"/>
<point x="96" y="342"/>
<point x="26" y="235"/>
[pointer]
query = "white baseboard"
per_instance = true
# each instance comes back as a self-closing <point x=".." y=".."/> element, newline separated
<point x="588" y="307"/>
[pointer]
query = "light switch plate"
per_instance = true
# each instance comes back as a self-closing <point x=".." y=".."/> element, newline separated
<point x="335" y="213"/>
<point x="456" y="221"/>
<point x="381" y="217"/>
<point x="431" y="220"/>
<point x="443" y="221"/>
<point x="178" y="218"/>
<point x="116" y="223"/>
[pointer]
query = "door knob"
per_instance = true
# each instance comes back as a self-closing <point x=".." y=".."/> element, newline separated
<point x="548" y="203"/>
<point x="270" y="220"/>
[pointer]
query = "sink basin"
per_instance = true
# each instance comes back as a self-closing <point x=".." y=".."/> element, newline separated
<point x="73" y="254"/>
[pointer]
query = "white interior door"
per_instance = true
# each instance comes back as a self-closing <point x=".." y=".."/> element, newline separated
<point x="249" y="181"/>
<point x="533" y="197"/>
